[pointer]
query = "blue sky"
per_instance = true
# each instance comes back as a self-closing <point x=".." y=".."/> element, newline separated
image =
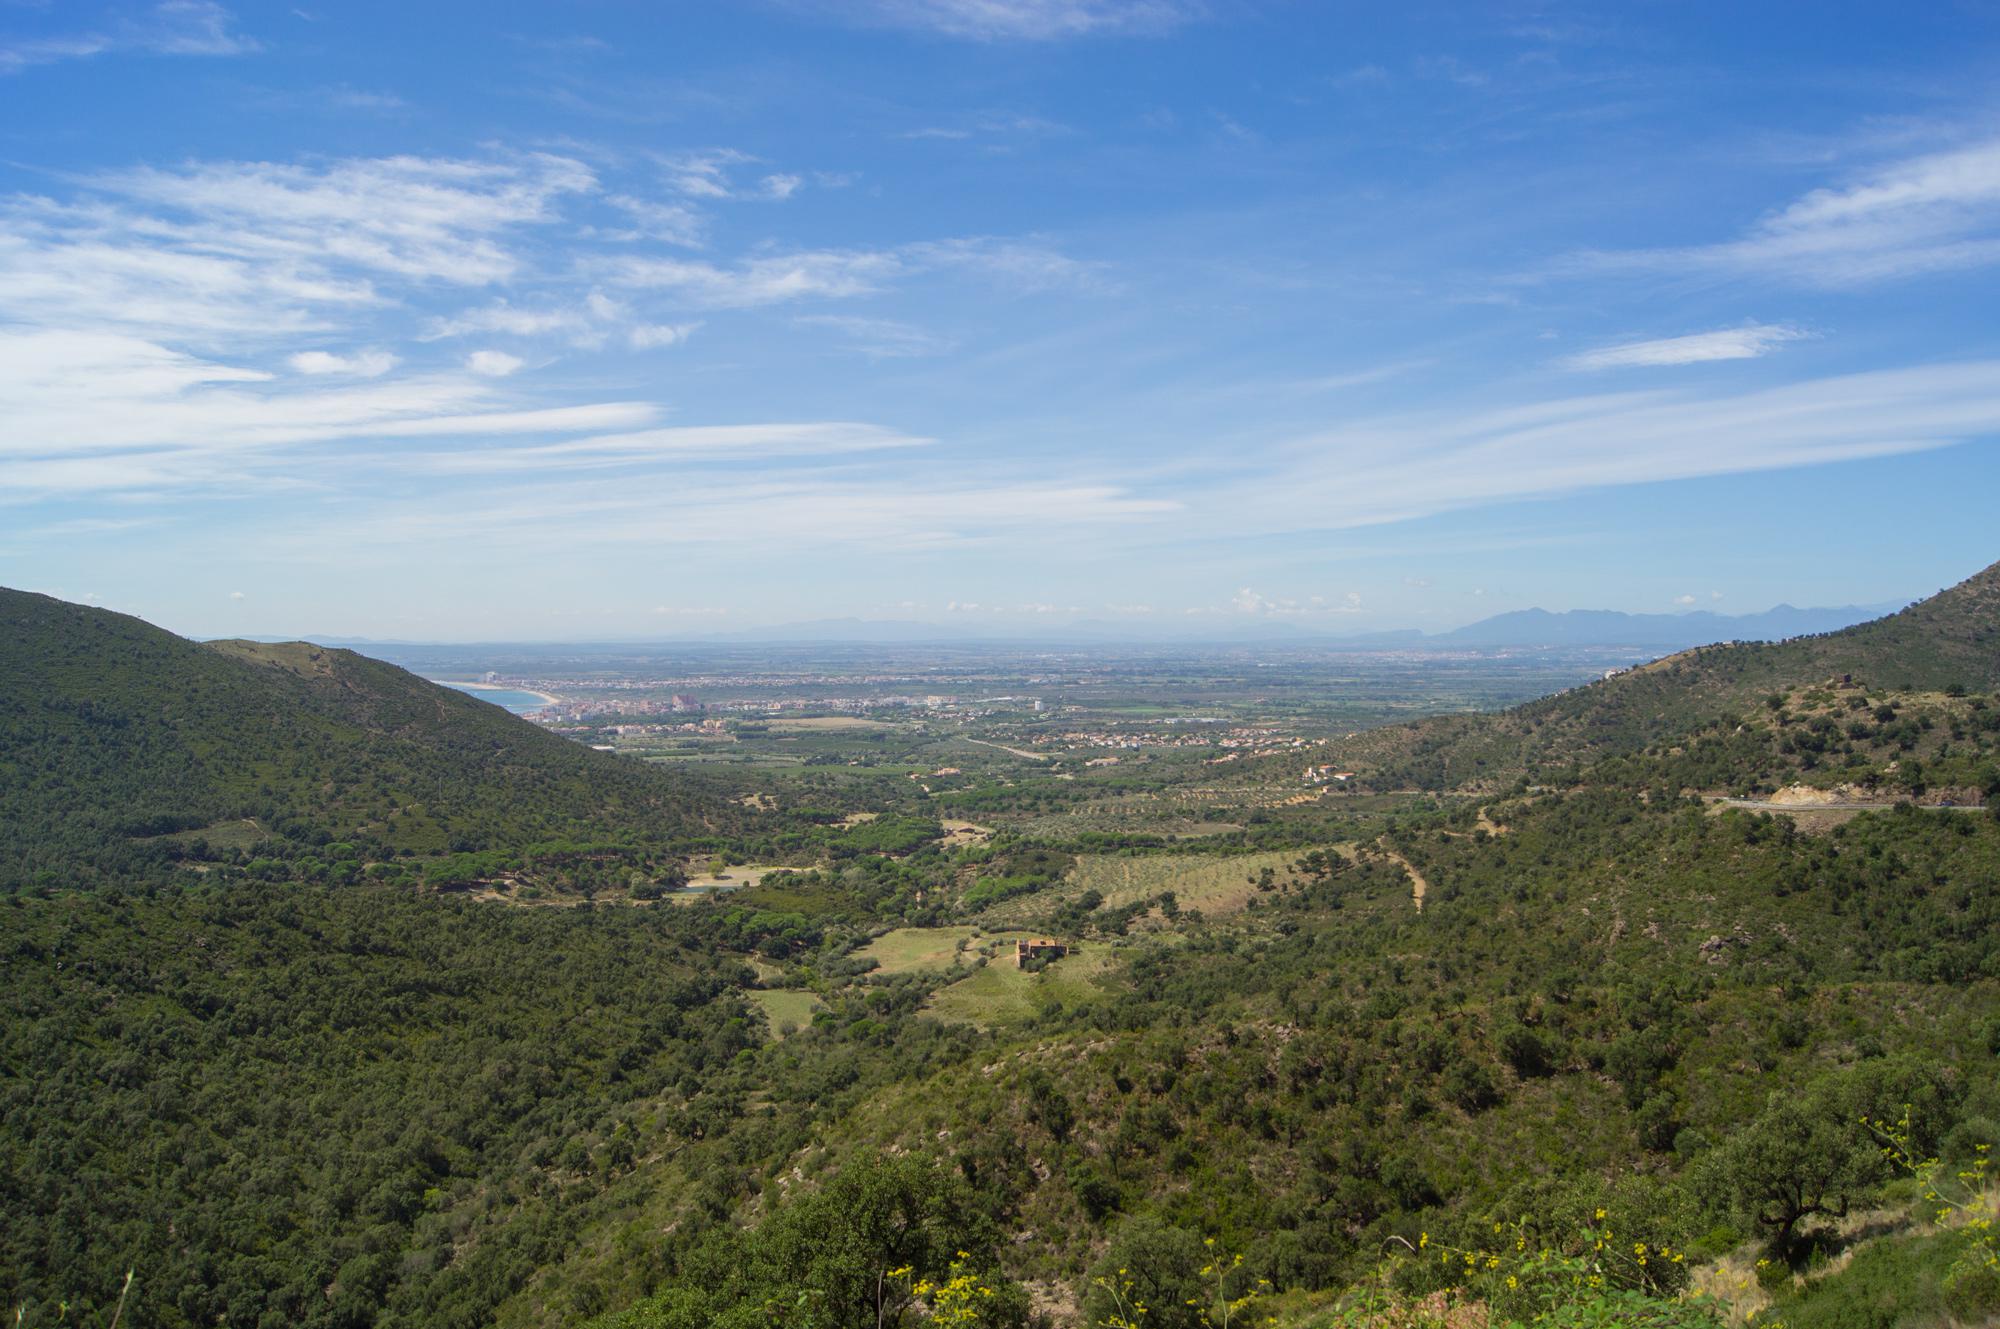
<point x="453" y="321"/>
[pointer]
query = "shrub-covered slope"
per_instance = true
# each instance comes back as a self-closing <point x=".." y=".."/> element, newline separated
<point x="116" y="736"/>
<point x="303" y="1105"/>
<point x="1951" y="640"/>
<point x="1619" y="1010"/>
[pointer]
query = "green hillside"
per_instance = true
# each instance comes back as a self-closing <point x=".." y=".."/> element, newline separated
<point x="1950" y="641"/>
<point x="127" y="746"/>
<point x="309" y="1105"/>
<point x="1420" y="1064"/>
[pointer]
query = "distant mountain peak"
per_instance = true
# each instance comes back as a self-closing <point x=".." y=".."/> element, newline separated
<point x="1611" y="627"/>
<point x="1951" y="639"/>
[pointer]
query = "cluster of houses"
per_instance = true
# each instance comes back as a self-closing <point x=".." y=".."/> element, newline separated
<point x="1327" y="775"/>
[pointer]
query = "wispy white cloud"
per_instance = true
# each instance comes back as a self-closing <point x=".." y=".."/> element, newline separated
<point x="493" y="364"/>
<point x="94" y="267"/>
<point x="177" y="27"/>
<point x="763" y="280"/>
<point x="1031" y="20"/>
<point x="336" y="97"/>
<point x="702" y="174"/>
<point x="588" y="324"/>
<point x="1932" y="213"/>
<point x="710" y="174"/>
<point x="661" y="510"/>
<point x="833" y="274"/>
<point x="427" y="219"/>
<point x="229" y="328"/>
<point x="990" y="125"/>
<point x="581" y="323"/>
<point x="222" y="251"/>
<point x="673" y="223"/>
<point x="361" y="364"/>
<point x="1018" y="265"/>
<point x="118" y="417"/>
<point x="110" y="411"/>
<point x="1744" y="343"/>
<point x="652" y="336"/>
<point x="879" y="338"/>
<point x="226" y="256"/>
<point x="1406" y="466"/>
<point x="679" y="443"/>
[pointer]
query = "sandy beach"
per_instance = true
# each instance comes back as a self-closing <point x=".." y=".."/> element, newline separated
<point x="548" y="699"/>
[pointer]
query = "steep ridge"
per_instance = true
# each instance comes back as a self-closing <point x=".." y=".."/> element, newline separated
<point x="1949" y="640"/>
<point x="118" y="736"/>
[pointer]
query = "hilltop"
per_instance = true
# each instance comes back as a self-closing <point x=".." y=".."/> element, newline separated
<point x="1949" y="641"/>
<point x="126" y="744"/>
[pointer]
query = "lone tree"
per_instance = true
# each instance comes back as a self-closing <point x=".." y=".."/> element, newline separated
<point x="1810" y="1154"/>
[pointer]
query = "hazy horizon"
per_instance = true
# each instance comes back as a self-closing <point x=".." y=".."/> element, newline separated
<point x="1191" y="631"/>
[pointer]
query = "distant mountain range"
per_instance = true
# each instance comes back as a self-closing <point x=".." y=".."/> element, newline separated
<point x="1518" y="629"/>
<point x="1521" y="628"/>
<point x="1608" y="627"/>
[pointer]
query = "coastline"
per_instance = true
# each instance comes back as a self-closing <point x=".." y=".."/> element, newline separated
<point x="548" y="698"/>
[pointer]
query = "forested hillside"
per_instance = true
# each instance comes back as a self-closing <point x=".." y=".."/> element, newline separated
<point x="1590" y="1011"/>
<point x="128" y="747"/>
<point x="1562" y="1052"/>
<point x="289" y="1104"/>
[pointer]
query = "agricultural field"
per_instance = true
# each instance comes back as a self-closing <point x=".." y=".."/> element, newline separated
<point x="816" y="724"/>
<point x="940" y="950"/>
<point x="1212" y="883"/>
<point x="999" y="993"/>
<point x="786" y="1009"/>
<point x="917" y="950"/>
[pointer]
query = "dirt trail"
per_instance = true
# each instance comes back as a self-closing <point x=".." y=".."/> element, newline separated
<point x="1484" y="823"/>
<point x="1819" y="800"/>
<point x="1418" y="886"/>
<point x="1013" y="752"/>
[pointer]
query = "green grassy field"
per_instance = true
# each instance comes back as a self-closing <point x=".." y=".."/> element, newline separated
<point x="1213" y="883"/>
<point x="786" y="1009"/>
<point x="999" y="993"/>
<point x="919" y="950"/>
<point x="912" y="950"/>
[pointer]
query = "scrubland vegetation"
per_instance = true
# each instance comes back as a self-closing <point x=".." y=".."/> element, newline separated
<point x="1641" y="1058"/>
